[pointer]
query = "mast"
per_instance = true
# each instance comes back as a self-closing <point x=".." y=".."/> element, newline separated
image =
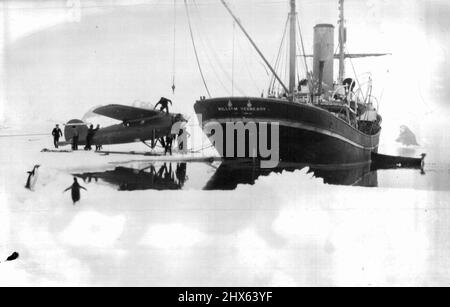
<point x="256" y="47"/>
<point x="292" y="51"/>
<point x="342" y="41"/>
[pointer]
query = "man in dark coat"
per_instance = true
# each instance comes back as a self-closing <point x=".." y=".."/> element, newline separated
<point x="75" y="138"/>
<point x="57" y="133"/>
<point x="75" y="187"/>
<point x="169" y="142"/>
<point x="98" y="146"/>
<point x="89" y="137"/>
<point x="164" y="103"/>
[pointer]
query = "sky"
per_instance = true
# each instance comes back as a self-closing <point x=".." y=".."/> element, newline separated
<point x="62" y="58"/>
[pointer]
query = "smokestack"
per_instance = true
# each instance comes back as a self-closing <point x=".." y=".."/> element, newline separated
<point x="324" y="52"/>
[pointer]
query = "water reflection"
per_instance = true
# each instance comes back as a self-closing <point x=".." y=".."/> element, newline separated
<point x="229" y="175"/>
<point x="165" y="177"/>
<point x="220" y="176"/>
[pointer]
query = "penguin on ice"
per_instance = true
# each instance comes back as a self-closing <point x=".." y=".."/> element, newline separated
<point x="13" y="257"/>
<point x="32" y="177"/>
<point x="75" y="187"/>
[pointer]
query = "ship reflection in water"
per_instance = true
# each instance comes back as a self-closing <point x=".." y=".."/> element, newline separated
<point x="219" y="175"/>
<point x="229" y="175"/>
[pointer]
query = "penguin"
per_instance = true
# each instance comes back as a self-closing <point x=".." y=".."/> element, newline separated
<point x="13" y="256"/>
<point x="75" y="187"/>
<point x="32" y="178"/>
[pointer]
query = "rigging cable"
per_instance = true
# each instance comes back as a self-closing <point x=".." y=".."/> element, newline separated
<point x="297" y="63"/>
<point x="264" y="66"/>
<point x="277" y="61"/>
<point x="211" y="47"/>
<point x="174" y="44"/>
<point x="286" y="66"/>
<point x="195" y="49"/>
<point x="205" y="47"/>
<point x="281" y="66"/>
<point x="357" y="80"/>
<point x="303" y="46"/>
<point x="233" y="58"/>
<point x="281" y="63"/>
<point x="247" y="65"/>
<point x="308" y="75"/>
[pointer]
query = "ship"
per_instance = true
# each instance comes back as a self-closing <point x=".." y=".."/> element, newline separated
<point x="317" y="120"/>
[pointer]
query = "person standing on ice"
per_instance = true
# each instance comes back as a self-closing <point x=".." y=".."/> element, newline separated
<point x="75" y="138"/>
<point x="57" y="133"/>
<point x="75" y="187"/>
<point x="168" y="147"/>
<point x="181" y="141"/>
<point x="89" y="137"/>
<point x="164" y="103"/>
<point x="98" y="147"/>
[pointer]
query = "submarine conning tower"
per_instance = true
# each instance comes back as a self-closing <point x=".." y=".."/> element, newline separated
<point x="323" y="56"/>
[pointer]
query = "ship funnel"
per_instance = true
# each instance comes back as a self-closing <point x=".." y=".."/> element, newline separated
<point x="323" y="56"/>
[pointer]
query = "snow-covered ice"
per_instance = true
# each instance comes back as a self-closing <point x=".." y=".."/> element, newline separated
<point x="286" y="230"/>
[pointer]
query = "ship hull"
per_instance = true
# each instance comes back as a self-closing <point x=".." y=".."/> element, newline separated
<point x="306" y="134"/>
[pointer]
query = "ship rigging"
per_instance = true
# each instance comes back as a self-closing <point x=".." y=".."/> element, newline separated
<point x="321" y="120"/>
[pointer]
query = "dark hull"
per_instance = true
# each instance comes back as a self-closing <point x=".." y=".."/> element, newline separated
<point x="307" y="134"/>
<point x="390" y="162"/>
